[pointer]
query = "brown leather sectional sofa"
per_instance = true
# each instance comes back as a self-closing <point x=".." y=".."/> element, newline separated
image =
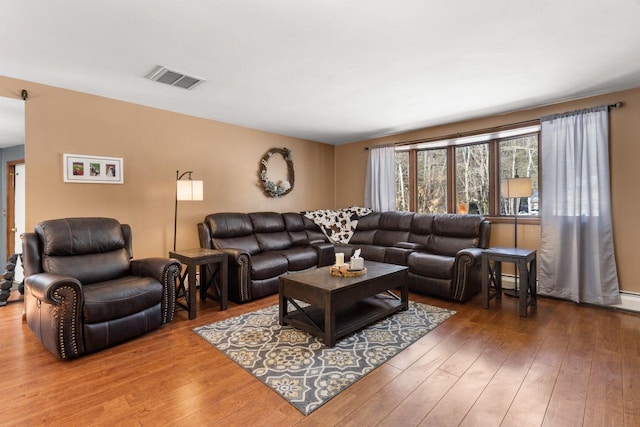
<point x="442" y="251"/>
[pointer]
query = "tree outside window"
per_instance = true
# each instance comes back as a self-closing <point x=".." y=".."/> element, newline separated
<point x="472" y="179"/>
<point x="432" y="181"/>
<point x="519" y="157"/>
<point x="402" y="181"/>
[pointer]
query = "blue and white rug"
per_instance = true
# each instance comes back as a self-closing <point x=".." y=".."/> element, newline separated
<point x="299" y="366"/>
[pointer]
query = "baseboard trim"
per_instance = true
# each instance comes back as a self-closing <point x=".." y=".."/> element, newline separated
<point x="630" y="301"/>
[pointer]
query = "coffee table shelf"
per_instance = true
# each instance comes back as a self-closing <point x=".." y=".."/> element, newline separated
<point x="348" y="319"/>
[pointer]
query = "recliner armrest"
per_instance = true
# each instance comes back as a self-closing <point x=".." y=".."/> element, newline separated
<point x="409" y="245"/>
<point x="53" y="305"/>
<point x="158" y="268"/>
<point x="165" y="271"/>
<point x="44" y="286"/>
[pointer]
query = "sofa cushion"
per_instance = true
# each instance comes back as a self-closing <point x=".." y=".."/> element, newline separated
<point x="372" y="252"/>
<point x="270" y="231"/>
<point x="267" y="222"/>
<point x="89" y="249"/>
<point x="453" y="232"/>
<point x="390" y="237"/>
<point x="314" y="233"/>
<point x="431" y="265"/>
<point x="296" y="228"/>
<point x="366" y="229"/>
<point x="395" y="221"/>
<point x="267" y="265"/>
<point x="421" y="228"/>
<point x="80" y="236"/>
<point x="121" y="297"/>
<point x="232" y="230"/>
<point x="456" y="225"/>
<point x="229" y="224"/>
<point x="301" y="258"/>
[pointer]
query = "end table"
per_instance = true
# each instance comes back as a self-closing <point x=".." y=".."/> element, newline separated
<point x="201" y="257"/>
<point x="525" y="261"/>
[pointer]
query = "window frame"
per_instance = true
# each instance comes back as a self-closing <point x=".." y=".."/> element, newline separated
<point x="492" y="138"/>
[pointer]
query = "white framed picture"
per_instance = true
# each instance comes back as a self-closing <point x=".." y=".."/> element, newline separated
<point x="81" y="168"/>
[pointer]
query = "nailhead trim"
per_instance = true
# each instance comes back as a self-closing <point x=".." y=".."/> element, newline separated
<point x="59" y="295"/>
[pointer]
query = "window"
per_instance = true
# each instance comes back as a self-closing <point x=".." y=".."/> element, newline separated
<point x="432" y="181"/>
<point x="519" y="157"/>
<point x="463" y="174"/>
<point x="472" y="179"/>
<point x="402" y="180"/>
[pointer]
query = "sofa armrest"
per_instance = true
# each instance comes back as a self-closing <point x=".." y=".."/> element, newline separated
<point x="410" y="245"/>
<point x="466" y="280"/>
<point x="53" y="305"/>
<point x="159" y="268"/>
<point x="165" y="271"/>
<point x="475" y="254"/>
<point x="326" y="253"/>
<point x="46" y="288"/>
<point x="397" y="255"/>
<point x="239" y="271"/>
<point x="236" y="256"/>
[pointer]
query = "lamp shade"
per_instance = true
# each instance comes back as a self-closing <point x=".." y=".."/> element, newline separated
<point x="189" y="190"/>
<point x="517" y="187"/>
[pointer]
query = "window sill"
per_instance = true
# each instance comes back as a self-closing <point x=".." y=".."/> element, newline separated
<point x="522" y="219"/>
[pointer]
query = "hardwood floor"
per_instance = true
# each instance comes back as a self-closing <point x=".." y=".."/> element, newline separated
<point x="564" y="365"/>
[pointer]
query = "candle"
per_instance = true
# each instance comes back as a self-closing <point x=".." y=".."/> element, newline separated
<point x="339" y="258"/>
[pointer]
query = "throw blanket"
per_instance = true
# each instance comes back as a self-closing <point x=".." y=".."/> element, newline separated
<point x="338" y="225"/>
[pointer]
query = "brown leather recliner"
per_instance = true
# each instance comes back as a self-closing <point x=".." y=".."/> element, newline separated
<point x="83" y="291"/>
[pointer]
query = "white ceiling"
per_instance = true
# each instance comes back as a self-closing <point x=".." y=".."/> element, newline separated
<point x="333" y="71"/>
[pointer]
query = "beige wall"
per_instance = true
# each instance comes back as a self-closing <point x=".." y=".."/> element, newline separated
<point x="154" y="144"/>
<point x="625" y="164"/>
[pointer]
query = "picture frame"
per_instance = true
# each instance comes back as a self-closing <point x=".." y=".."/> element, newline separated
<point x="80" y="168"/>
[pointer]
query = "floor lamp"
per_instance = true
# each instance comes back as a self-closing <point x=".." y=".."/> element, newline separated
<point x="185" y="190"/>
<point x="516" y="188"/>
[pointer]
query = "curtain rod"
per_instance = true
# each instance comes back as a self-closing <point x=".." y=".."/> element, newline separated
<point x="481" y="131"/>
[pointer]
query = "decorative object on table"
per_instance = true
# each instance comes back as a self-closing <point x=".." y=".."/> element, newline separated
<point x="299" y="367"/>
<point x="344" y="271"/>
<point x="355" y="268"/>
<point x="280" y="188"/>
<point x="80" y="168"/>
<point x="186" y="190"/>
<point x="340" y="268"/>
<point x="516" y="188"/>
<point x="356" y="263"/>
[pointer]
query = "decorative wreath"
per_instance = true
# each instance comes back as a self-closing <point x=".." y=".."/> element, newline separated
<point x="273" y="189"/>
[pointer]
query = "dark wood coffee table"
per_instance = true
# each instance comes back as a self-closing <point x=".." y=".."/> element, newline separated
<point x="341" y="305"/>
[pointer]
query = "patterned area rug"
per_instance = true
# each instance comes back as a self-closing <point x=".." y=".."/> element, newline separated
<point x="299" y="366"/>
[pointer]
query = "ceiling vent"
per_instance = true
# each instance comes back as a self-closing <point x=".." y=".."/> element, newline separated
<point x="174" y="78"/>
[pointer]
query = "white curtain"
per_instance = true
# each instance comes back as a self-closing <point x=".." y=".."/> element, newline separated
<point x="380" y="185"/>
<point x="577" y="261"/>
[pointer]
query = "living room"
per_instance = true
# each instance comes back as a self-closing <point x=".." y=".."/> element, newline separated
<point x="154" y="143"/>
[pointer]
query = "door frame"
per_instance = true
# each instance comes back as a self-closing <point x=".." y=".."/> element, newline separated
<point x="11" y="209"/>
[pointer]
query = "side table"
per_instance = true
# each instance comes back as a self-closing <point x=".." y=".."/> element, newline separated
<point x="201" y="257"/>
<point x="525" y="261"/>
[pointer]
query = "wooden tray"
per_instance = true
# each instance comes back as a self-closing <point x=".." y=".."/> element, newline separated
<point x="344" y="271"/>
